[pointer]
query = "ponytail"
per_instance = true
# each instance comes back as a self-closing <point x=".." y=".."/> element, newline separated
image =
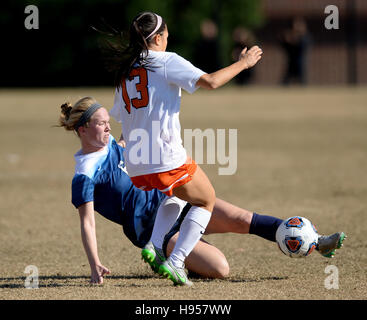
<point x="121" y="52"/>
<point x="71" y="114"/>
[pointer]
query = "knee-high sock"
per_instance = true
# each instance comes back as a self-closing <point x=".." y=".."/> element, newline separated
<point x="168" y="213"/>
<point x="264" y="226"/>
<point x="191" y="230"/>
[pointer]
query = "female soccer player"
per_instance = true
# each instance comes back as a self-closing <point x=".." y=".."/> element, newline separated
<point x="101" y="184"/>
<point x="147" y="103"/>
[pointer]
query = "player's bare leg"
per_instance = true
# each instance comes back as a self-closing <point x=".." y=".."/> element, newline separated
<point x="204" y="260"/>
<point x="201" y="195"/>
<point x="198" y="192"/>
<point x="227" y="217"/>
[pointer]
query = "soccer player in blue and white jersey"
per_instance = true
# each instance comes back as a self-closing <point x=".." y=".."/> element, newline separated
<point x="102" y="184"/>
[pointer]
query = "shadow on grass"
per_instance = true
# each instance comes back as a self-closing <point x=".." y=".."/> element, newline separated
<point x="261" y="279"/>
<point x="54" y="281"/>
<point x="58" y="280"/>
<point x="193" y="275"/>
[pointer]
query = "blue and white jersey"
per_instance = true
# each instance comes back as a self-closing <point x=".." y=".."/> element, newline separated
<point x="101" y="177"/>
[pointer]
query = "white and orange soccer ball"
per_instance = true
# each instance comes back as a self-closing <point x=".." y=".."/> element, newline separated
<point x="296" y="237"/>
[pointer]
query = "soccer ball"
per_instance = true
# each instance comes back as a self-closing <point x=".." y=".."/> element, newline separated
<point x="296" y="237"/>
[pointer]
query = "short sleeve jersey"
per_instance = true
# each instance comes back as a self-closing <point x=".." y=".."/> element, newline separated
<point x="148" y="104"/>
<point x="101" y="177"/>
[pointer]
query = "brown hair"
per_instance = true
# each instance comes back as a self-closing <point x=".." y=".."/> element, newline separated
<point x="70" y="114"/>
<point x="122" y="51"/>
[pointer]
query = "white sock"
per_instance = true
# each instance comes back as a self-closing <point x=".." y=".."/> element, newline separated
<point x="191" y="230"/>
<point x="167" y="215"/>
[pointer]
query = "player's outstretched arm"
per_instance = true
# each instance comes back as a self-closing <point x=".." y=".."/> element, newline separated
<point x="247" y="59"/>
<point x="89" y="239"/>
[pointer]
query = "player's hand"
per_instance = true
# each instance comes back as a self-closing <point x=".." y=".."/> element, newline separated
<point x="97" y="274"/>
<point x="122" y="143"/>
<point x="251" y="57"/>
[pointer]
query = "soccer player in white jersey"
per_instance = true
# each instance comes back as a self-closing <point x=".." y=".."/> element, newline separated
<point x="147" y="103"/>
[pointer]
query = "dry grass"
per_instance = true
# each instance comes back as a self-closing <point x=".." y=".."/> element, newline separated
<point x="300" y="152"/>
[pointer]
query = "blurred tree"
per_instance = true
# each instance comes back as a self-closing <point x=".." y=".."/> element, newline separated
<point x="64" y="50"/>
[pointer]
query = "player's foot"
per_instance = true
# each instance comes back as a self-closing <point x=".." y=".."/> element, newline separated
<point x="153" y="256"/>
<point x="177" y="275"/>
<point x="328" y="244"/>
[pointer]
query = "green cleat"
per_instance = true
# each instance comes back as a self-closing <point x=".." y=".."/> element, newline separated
<point x="153" y="256"/>
<point x="177" y="275"/>
<point x="327" y="245"/>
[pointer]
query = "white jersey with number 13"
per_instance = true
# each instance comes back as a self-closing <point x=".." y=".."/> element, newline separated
<point x="147" y="104"/>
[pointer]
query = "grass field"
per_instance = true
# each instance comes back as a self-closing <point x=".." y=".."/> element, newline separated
<point x="300" y="152"/>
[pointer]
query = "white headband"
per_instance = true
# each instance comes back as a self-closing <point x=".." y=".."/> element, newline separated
<point x="159" y="23"/>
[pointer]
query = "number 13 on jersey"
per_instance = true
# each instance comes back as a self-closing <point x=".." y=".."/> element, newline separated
<point x="141" y="88"/>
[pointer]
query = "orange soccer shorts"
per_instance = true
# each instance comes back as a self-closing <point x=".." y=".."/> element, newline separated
<point x="168" y="180"/>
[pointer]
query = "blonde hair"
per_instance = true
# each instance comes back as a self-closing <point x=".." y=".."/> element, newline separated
<point x="70" y="114"/>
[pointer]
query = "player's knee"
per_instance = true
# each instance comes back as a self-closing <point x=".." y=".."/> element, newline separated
<point x="221" y="269"/>
<point x="242" y="221"/>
